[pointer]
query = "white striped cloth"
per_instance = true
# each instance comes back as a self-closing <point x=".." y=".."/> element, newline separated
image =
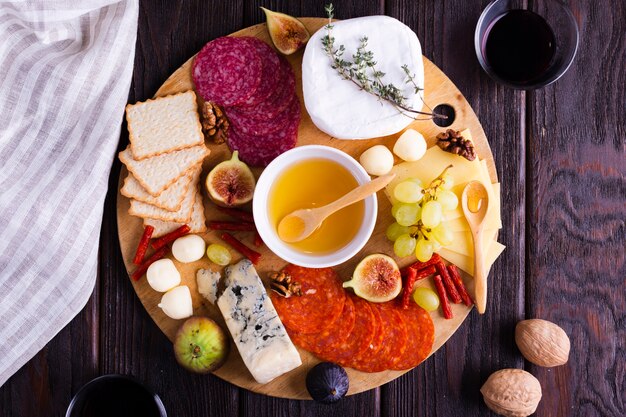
<point x="65" y="72"/>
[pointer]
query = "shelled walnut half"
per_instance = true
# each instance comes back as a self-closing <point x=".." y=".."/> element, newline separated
<point x="282" y="284"/>
<point x="453" y="141"/>
<point x="214" y="123"/>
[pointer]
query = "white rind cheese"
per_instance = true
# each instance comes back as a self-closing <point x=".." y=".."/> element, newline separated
<point x="337" y="106"/>
<point x="259" y="335"/>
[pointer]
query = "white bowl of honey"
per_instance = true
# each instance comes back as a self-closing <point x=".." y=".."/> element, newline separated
<point x="307" y="177"/>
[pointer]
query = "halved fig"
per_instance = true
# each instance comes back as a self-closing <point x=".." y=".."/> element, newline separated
<point x="230" y="183"/>
<point x="376" y="279"/>
<point x="288" y="33"/>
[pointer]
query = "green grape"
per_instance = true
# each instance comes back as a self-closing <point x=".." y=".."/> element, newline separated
<point x="394" y="230"/>
<point x="436" y="245"/>
<point x="423" y="250"/>
<point x="447" y="199"/>
<point x="408" y="214"/>
<point x="431" y="213"/>
<point x="404" y="246"/>
<point x="394" y="209"/>
<point x="408" y="192"/>
<point x="443" y="234"/>
<point x="416" y="181"/>
<point x="426" y="298"/>
<point x="218" y="254"/>
<point x="448" y="181"/>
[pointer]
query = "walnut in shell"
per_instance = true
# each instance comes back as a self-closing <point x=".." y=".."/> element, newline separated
<point x="542" y="342"/>
<point x="512" y="393"/>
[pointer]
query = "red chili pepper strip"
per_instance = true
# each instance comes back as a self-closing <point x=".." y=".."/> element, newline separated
<point x="258" y="242"/>
<point x="447" y="281"/>
<point x="246" y="216"/>
<point x="141" y="269"/>
<point x="412" y="277"/>
<point x="170" y="237"/>
<point x="143" y="245"/>
<point x="235" y="226"/>
<point x="254" y="256"/>
<point x="435" y="259"/>
<point x="458" y="282"/>
<point x="445" y="304"/>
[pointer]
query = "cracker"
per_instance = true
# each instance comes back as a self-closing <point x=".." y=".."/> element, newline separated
<point x="159" y="172"/>
<point x="183" y="215"/>
<point x="163" y="125"/>
<point x="171" y="199"/>
<point x="197" y="223"/>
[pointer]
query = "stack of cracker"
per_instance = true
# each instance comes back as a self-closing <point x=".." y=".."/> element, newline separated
<point x="164" y="162"/>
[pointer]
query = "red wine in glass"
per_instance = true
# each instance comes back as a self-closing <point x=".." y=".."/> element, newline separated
<point x="519" y="46"/>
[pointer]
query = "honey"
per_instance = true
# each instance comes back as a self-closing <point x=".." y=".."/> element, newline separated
<point x="315" y="183"/>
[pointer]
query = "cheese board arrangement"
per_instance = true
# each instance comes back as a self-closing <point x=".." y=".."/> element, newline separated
<point x="254" y="136"/>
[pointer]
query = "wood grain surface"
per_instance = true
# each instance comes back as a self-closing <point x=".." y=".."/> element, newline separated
<point x="561" y="158"/>
<point x="438" y="89"/>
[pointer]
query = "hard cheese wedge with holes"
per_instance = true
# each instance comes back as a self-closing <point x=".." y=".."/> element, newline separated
<point x="259" y="335"/>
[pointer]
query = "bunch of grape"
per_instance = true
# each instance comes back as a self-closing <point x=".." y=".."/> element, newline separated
<point x="419" y="212"/>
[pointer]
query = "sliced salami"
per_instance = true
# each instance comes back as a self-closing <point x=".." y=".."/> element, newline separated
<point x="366" y="356"/>
<point x="261" y="150"/>
<point x="420" y="337"/>
<point x="227" y="70"/>
<point x="319" y="306"/>
<point x="393" y="344"/>
<point x="270" y="75"/>
<point x="278" y="101"/>
<point x="365" y="327"/>
<point x="330" y="339"/>
<point x="263" y="126"/>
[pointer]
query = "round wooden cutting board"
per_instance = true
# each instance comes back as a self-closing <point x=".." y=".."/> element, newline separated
<point x="438" y="90"/>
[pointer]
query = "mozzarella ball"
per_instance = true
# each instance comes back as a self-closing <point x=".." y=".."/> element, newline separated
<point x="410" y="146"/>
<point x="162" y="275"/>
<point x="176" y="303"/>
<point x="377" y="160"/>
<point x="188" y="248"/>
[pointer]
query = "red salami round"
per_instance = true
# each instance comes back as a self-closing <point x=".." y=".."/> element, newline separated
<point x="270" y="75"/>
<point x="319" y="305"/>
<point x="261" y="150"/>
<point x="420" y="337"/>
<point x="365" y="327"/>
<point x="227" y="70"/>
<point x="278" y="101"/>
<point x="375" y="344"/>
<point x="259" y="127"/>
<point x="393" y="344"/>
<point x="329" y="339"/>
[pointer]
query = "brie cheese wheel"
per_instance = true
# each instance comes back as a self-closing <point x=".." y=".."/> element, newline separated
<point x="337" y="106"/>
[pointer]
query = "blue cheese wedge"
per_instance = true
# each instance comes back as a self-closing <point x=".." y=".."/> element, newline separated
<point x="338" y="106"/>
<point x="259" y="335"/>
<point x="207" y="281"/>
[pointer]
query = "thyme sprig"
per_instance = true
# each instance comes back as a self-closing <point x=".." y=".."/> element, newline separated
<point x="362" y="71"/>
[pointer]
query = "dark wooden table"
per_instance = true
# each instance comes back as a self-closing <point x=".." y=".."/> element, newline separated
<point x="560" y="154"/>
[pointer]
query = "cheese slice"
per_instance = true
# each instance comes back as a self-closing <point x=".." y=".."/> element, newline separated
<point x="433" y="163"/>
<point x="339" y="107"/>
<point x="466" y="263"/>
<point x="259" y="335"/>
<point x="493" y="214"/>
<point x="462" y="242"/>
<point x="459" y="224"/>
